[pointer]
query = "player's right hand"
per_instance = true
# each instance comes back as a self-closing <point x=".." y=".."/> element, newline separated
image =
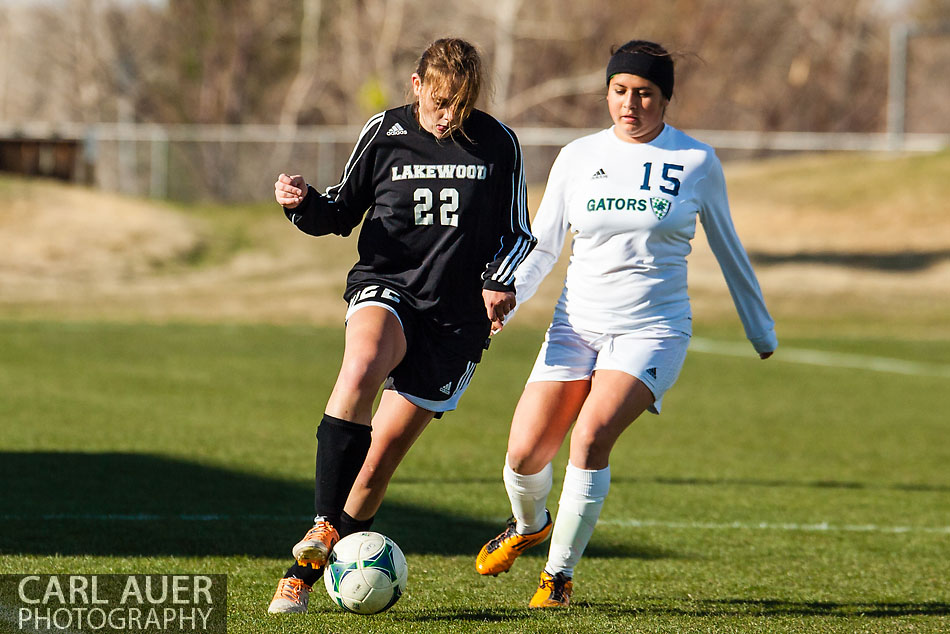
<point x="498" y="304"/>
<point x="497" y="325"/>
<point x="290" y="190"/>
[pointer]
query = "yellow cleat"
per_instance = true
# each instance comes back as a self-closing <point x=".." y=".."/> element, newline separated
<point x="291" y="597"/>
<point x="499" y="554"/>
<point x="553" y="591"/>
<point x="314" y="549"/>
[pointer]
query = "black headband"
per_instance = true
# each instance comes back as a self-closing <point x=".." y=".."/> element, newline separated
<point x="656" y="68"/>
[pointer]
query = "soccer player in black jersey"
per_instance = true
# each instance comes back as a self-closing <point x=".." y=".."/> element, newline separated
<point x="439" y="187"/>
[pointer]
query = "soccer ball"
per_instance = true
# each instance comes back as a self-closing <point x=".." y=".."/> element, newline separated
<point x="366" y="573"/>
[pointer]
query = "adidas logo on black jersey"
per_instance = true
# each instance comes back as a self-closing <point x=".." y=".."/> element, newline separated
<point x="599" y="174"/>
<point x="447" y="388"/>
<point x="396" y="129"/>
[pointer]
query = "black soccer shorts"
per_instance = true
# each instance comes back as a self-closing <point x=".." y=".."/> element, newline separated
<point x="432" y="375"/>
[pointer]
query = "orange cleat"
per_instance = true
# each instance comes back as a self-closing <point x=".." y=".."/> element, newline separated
<point x="499" y="554"/>
<point x="292" y="597"/>
<point x="314" y="549"/>
<point x="553" y="591"/>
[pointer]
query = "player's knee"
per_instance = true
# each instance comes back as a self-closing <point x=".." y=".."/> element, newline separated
<point x="525" y="460"/>
<point x="361" y="375"/>
<point x="591" y="441"/>
<point x="517" y="460"/>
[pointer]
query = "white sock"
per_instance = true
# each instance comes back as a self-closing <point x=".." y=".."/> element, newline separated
<point x="582" y="497"/>
<point x="529" y="495"/>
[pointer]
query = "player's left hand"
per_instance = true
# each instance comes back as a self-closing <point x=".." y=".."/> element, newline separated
<point x="766" y="355"/>
<point x="498" y="304"/>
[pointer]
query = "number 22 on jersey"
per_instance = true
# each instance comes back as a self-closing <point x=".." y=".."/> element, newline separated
<point x="448" y="210"/>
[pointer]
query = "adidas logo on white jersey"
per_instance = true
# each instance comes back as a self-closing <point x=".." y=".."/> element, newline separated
<point x="447" y="388"/>
<point x="396" y="129"/>
<point x="599" y="174"/>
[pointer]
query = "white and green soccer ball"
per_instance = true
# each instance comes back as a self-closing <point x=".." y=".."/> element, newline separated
<point x="366" y="573"/>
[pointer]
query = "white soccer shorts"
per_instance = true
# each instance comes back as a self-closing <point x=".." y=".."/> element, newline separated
<point x="653" y="356"/>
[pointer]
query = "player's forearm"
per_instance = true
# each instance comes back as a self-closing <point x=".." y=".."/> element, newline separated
<point x="317" y="215"/>
<point x="500" y="274"/>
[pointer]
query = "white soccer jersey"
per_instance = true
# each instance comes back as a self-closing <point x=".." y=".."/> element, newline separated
<point x="632" y="209"/>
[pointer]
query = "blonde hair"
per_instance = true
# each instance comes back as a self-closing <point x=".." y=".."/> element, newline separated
<point x="452" y="68"/>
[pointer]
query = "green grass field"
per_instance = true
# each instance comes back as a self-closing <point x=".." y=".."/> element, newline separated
<point x="769" y="497"/>
<point x="163" y="368"/>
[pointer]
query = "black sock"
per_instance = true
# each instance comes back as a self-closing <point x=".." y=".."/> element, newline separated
<point x="349" y="525"/>
<point x="305" y="573"/>
<point x="341" y="449"/>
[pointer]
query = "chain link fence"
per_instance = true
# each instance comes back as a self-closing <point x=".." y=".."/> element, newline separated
<point x="241" y="163"/>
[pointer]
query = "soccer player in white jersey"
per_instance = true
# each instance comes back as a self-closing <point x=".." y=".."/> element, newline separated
<point x="630" y="196"/>
<point x="441" y="186"/>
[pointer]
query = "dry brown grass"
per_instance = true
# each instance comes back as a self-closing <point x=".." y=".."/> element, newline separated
<point x="834" y="244"/>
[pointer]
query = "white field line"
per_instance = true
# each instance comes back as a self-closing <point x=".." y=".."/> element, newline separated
<point x="821" y="527"/>
<point x="824" y="358"/>
<point x="631" y="522"/>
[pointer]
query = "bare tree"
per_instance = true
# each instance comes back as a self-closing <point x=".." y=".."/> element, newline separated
<point x="741" y="64"/>
<point x="393" y="13"/>
<point x="505" y="13"/>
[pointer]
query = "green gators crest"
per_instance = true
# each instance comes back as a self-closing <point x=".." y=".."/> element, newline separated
<point x="661" y="207"/>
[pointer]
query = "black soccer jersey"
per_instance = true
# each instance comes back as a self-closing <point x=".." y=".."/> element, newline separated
<point x="444" y="218"/>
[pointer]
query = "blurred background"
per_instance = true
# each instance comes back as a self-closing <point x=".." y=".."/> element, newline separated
<point x="208" y="99"/>
<point x="142" y="138"/>
<point x="168" y="338"/>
